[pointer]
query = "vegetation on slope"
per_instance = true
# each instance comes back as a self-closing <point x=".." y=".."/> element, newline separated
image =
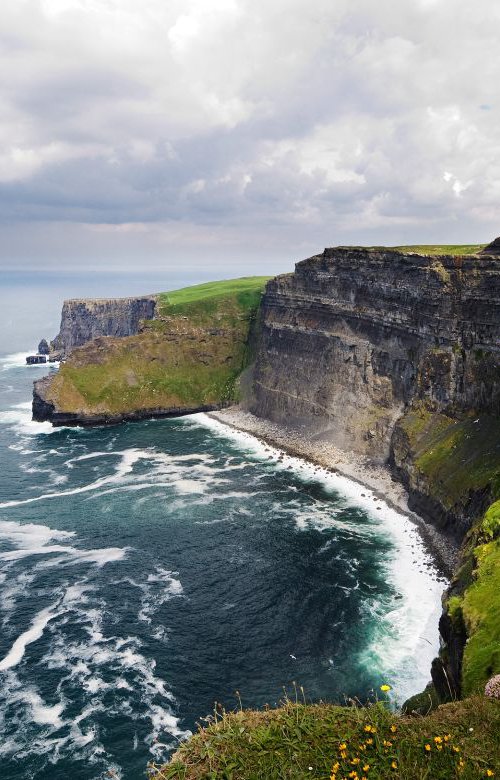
<point x="456" y="456"/>
<point x="295" y="741"/>
<point x="190" y="356"/>
<point x="479" y="604"/>
<point x="458" y="462"/>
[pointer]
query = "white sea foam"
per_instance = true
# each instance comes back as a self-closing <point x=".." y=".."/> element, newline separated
<point x="32" y="634"/>
<point x="30" y="535"/>
<point x="33" y="540"/>
<point x="19" y="418"/>
<point x="187" y="476"/>
<point x="17" y="360"/>
<point x="41" y="712"/>
<point x="153" y="597"/>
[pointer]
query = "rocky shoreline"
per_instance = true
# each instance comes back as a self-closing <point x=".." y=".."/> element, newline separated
<point x="378" y="478"/>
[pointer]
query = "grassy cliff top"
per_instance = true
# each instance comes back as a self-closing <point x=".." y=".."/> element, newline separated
<point x="322" y="741"/>
<point x="244" y="293"/>
<point x="440" y="249"/>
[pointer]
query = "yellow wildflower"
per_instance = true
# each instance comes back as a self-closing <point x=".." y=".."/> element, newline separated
<point x="428" y="748"/>
<point x="387" y="743"/>
<point x="394" y="728"/>
<point x="456" y="749"/>
<point x="355" y="760"/>
<point x="366" y="767"/>
<point x="335" y="766"/>
<point x="437" y="740"/>
<point x="490" y="773"/>
<point x="343" y="754"/>
<point x="369" y="741"/>
<point x="385" y="687"/>
<point x="447" y="737"/>
<point x="342" y="746"/>
<point x="394" y="765"/>
<point x="368" y="728"/>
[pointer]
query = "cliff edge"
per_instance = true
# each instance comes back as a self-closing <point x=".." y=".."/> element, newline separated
<point x="84" y="319"/>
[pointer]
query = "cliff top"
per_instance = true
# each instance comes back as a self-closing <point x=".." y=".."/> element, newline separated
<point x="246" y="291"/>
<point x="101" y="301"/>
<point x="426" y="250"/>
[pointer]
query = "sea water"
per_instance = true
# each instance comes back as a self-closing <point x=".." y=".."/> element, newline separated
<point x="151" y="569"/>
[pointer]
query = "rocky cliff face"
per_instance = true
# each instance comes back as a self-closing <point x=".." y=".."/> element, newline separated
<point x="85" y="319"/>
<point x="356" y="335"/>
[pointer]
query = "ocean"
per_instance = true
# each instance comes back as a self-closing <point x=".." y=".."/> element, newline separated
<point x="151" y="569"/>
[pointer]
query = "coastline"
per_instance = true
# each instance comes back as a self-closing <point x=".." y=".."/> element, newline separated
<point x="378" y="478"/>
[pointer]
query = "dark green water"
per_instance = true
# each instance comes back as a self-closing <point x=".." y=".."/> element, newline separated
<point x="150" y="569"/>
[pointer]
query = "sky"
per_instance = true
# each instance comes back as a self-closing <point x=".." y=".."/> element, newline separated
<point x="218" y="138"/>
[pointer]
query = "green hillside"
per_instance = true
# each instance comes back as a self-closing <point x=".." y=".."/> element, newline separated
<point x="328" y="742"/>
<point x="190" y="356"/>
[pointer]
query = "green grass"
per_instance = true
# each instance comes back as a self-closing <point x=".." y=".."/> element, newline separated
<point x="478" y="607"/>
<point x="441" y="249"/>
<point x="322" y="741"/>
<point x="208" y="297"/>
<point x="481" y="614"/>
<point x="190" y="356"/>
<point x="456" y="456"/>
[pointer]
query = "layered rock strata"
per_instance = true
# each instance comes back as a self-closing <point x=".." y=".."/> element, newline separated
<point x="83" y="320"/>
<point x="355" y="335"/>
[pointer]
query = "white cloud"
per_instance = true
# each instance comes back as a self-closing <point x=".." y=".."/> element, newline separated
<point x="272" y="123"/>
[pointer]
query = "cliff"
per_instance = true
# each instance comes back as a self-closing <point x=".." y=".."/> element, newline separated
<point x="85" y="319"/>
<point x="356" y="335"/>
<point x="188" y="358"/>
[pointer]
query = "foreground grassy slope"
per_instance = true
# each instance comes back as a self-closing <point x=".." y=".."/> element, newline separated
<point x="190" y="356"/>
<point x="459" y="740"/>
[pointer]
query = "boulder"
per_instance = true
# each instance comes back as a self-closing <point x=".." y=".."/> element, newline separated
<point x="43" y="348"/>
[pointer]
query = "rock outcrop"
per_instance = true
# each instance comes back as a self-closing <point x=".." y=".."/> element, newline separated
<point x="43" y="347"/>
<point x="85" y="319"/>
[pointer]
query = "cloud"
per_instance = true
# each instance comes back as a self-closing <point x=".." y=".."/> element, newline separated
<point x="247" y="125"/>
